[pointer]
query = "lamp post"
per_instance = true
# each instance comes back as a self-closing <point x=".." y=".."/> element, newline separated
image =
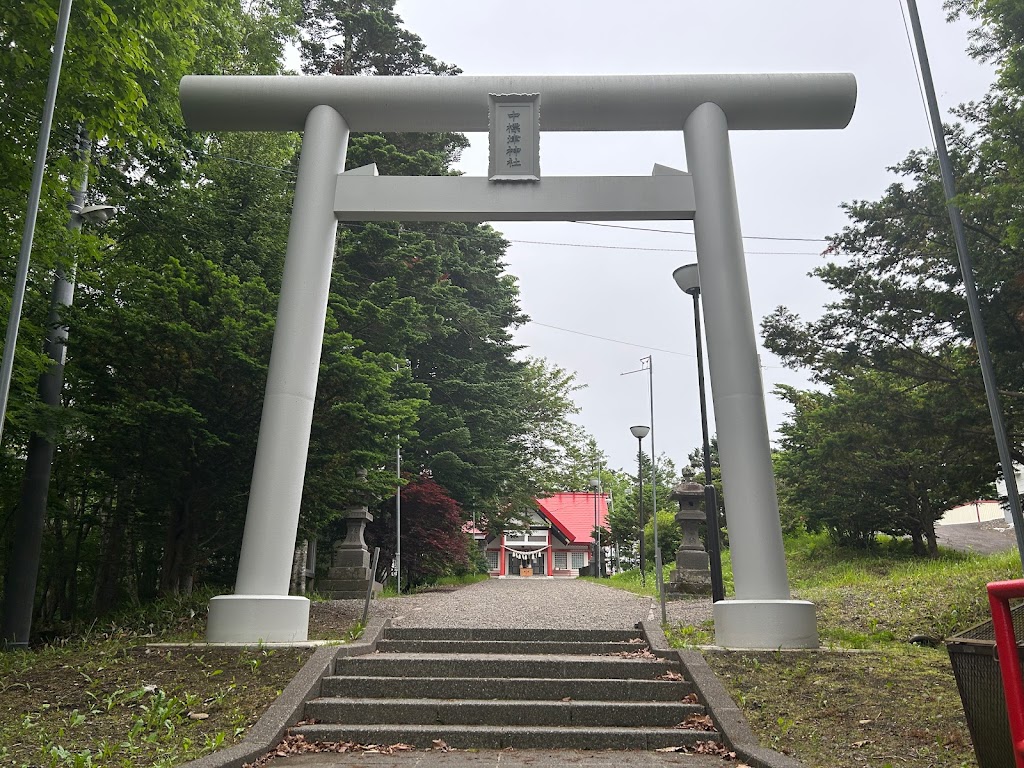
<point x="640" y="432"/>
<point x="647" y="364"/>
<point x="23" y="568"/>
<point x="688" y="279"/>
<point x="595" y="483"/>
<point x="398" y="518"/>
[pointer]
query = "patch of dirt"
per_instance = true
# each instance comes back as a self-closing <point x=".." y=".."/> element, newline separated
<point x="332" y="619"/>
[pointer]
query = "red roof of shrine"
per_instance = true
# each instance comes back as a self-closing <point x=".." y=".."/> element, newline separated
<point x="573" y="514"/>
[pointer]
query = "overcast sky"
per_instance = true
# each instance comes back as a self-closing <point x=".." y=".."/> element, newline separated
<point x="604" y="285"/>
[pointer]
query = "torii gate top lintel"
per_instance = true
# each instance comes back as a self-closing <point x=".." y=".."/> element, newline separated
<point x="569" y="102"/>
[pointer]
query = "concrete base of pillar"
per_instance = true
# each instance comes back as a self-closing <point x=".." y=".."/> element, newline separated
<point x="765" y="624"/>
<point x="257" y="618"/>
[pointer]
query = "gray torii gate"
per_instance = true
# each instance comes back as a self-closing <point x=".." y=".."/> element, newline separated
<point x="704" y="107"/>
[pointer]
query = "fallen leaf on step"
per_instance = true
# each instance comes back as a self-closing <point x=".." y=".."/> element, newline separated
<point x="697" y="723"/>
<point x="440" y="744"/>
<point x="670" y="675"/>
<point x="567" y="698"/>
<point x="671" y="749"/>
<point x="690" y="698"/>
<point x="713" y="748"/>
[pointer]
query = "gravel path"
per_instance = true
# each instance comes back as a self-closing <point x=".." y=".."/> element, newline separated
<point x="518" y="603"/>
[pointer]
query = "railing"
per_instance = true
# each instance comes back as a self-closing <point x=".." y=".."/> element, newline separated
<point x="999" y="595"/>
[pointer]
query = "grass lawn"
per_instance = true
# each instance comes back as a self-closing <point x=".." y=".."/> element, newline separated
<point x="110" y="701"/>
<point x="105" y="698"/>
<point x="872" y="698"/>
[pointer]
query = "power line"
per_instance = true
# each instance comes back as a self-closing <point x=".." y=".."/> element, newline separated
<point x="680" y="232"/>
<point x="613" y="341"/>
<point x="660" y="250"/>
<point x="638" y="346"/>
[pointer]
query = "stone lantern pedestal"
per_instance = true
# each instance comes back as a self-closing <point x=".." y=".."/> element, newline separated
<point x="692" y="574"/>
<point x="349" y="576"/>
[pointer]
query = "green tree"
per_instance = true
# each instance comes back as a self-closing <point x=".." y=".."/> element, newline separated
<point x="874" y="455"/>
<point x="669" y="536"/>
<point x="150" y="448"/>
<point x="900" y="323"/>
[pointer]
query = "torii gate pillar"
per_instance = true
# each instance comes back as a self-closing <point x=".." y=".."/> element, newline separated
<point x="762" y="615"/>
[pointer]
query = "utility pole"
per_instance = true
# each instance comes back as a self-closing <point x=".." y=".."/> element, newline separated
<point x="23" y="568"/>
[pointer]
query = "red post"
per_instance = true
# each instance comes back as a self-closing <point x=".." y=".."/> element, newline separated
<point x="999" y="595"/>
<point x="501" y="556"/>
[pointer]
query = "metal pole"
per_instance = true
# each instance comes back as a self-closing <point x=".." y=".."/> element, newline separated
<point x="23" y="568"/>
<point x="658" y="576"/>
<point x="640" y="477"/>
<point x="616" y="562"/>
<point x="21" y="275"/>
<point x="398" y="521"/>
<point x="600" y="551"/>
<point x="967" y="272"/>
<point x="369" y="589"/>
<point x="710" y="495"/>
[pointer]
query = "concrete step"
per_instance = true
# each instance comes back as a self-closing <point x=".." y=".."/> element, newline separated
<point x="503" y="688"/>
<point x="482" y="712"/>
<point x="505" y="736"/>
<point x="508" y="647"/>
<point x="510" y="666"/>
<point x="543" y="635"/>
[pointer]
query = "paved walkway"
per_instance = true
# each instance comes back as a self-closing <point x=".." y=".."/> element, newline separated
<point x="518" y="603"/>
<point x="986" y="537"/>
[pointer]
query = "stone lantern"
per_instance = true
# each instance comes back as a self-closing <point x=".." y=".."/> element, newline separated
<point x="692" y="574"/>
<point x="349" y="576"/>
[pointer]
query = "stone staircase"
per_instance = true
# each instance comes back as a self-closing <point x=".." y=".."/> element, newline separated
<point x="499" y="688"/>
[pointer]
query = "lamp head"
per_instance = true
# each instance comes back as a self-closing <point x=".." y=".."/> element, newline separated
<point x="688" y="279"/>
<point x="97" y="214"/>
<point x="640" y="431"/>
<point x="595" y="483"/>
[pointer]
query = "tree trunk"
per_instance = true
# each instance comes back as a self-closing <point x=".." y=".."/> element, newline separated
<point x="178" y="565"/>
<point x="928" y="525"/>
<point x="298" y="580"/>
<point x="112" y="561"/>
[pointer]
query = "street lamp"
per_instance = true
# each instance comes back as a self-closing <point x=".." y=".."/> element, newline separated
<point x="595" y="483"/>
<point x="640" y="432"/>
<point x="22" y="570"/>
<point x="688" y="280"/>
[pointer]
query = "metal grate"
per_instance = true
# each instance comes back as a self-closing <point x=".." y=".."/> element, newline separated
<point x="976" y="669"/>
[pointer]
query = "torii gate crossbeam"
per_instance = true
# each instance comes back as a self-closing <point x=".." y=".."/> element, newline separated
<point x="704" y="107"/>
